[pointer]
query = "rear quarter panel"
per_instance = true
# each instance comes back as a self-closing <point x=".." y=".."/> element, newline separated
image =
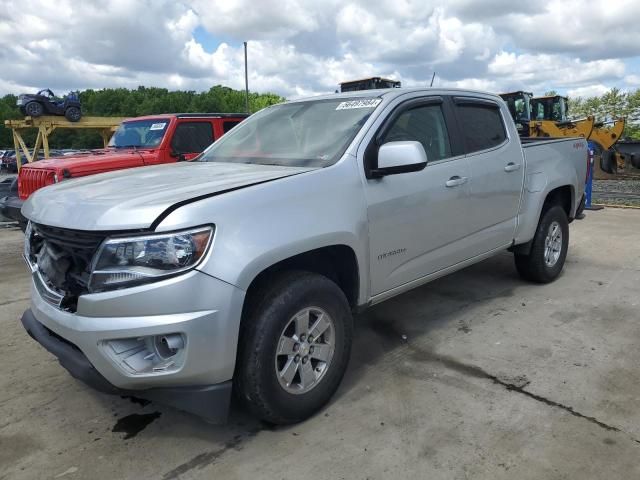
<point x="549" y="165"/>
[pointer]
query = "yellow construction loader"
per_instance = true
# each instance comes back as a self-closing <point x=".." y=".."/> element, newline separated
<point x="548" y="110"/>
<point x="548" y="117"/>
<point x="540" y="117"/>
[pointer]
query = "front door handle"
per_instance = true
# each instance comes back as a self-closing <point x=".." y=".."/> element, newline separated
<point x="456" y="181"/>
<point x="512" y="167"/>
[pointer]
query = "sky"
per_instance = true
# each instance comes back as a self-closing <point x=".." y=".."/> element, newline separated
<point x="304" y="47"/>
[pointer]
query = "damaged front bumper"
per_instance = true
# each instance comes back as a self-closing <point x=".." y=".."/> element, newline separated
<point x="111" y="341"/>
<point x="210" y="401"/>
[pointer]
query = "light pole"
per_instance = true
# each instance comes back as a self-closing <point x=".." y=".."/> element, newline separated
<point x="246" y="80"/>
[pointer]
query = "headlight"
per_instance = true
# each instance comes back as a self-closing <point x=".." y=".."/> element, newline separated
<point x="124" y="262"/>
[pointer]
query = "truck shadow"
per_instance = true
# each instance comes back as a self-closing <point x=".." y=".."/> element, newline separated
<point x="412" y="316"/>
<point x="378" y="332"/>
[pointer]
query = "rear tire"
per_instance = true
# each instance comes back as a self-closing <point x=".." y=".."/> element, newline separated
<point x="273" y="335"/>
<point x="634" y="158"/>
<point x="549" y="248"/>
<point x="34" y="109"/>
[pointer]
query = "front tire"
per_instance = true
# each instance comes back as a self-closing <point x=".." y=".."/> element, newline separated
<point x="294" y="347"/>
<point x="549" y="248"/>
<point x="73" y="114"/>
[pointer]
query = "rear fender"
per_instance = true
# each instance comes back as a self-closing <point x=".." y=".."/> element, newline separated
<point x="535" y="194"/>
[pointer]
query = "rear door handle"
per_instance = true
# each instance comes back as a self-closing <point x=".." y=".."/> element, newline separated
<point x="456" y="181"/>
<point x="512" y="167"/>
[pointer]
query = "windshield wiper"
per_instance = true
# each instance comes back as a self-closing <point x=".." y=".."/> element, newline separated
<point x="127" y="146"/>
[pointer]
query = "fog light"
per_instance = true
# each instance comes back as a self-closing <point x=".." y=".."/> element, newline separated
<point x="147" y="355"/>
<point x="168" y="345"/>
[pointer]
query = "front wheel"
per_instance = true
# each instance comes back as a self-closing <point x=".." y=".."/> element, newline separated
<point x="548" y="251"/>
<point x="294" y="347"/>
<point x="73" y="114"/>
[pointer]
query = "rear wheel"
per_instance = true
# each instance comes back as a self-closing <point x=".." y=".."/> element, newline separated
<point x="33" y="109"/>
<point x="634" y="158"/>
<point x="72" y="114"/>
<point x="549" y="248"/>
<point x="294" y="347"/>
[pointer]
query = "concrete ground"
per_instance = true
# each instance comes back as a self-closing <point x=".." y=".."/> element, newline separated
<point x="478" y="375"/>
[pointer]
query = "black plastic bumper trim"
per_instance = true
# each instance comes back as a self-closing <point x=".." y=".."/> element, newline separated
<point x="208" y="401"/>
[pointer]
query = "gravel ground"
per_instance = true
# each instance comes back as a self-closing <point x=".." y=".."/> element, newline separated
<point x="617" y="192"/>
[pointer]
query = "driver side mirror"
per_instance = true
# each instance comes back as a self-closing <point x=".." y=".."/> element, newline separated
<point x="400" y="157"/>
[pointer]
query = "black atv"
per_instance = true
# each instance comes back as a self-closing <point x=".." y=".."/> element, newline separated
<point x="45" y="102"/>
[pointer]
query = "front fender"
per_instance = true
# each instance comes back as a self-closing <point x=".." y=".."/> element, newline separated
<point x="262" y="225"/>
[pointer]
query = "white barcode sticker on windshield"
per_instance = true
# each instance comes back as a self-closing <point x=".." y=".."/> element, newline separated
<point x="364" y="103"/>
<point x="157" y="126"/>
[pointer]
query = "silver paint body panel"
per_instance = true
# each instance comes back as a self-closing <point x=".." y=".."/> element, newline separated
<point x="404" y="230"/>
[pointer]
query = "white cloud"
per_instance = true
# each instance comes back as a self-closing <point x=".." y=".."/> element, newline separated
<point x="536" y="71"/>
<point x="588" y="91"/>
<point x="301" y="47"/>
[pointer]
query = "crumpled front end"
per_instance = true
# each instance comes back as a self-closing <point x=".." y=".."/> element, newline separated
<point x="172" y="340"/>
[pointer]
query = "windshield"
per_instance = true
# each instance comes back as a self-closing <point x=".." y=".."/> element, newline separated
<point x="304" y="134"/>
<point x="140" y="133"/>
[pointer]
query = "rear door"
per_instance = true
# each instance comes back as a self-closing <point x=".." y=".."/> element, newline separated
<point x="496" y="167"/>
<point x="417" y="220"/>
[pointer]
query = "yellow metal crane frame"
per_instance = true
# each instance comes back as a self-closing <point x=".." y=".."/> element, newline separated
<point x="47" y="124"/>
<point x="549" y="128"/>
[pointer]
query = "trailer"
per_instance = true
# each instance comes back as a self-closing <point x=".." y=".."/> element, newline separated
<point x="46" y="125"/>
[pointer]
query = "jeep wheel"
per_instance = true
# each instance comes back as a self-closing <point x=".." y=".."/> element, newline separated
<point x="33" y="109"/>
<point x="548" y="252"/>
<point x="294" y="347"/>
<point x="72" y="114"/>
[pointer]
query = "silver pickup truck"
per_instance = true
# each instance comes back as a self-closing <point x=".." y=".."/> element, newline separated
<point x="242" y="269"/>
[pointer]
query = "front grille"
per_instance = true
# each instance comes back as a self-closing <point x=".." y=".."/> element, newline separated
<point x="63" y="257"/>
<point x="32" y="179"/>
<point x="46" y="292"/>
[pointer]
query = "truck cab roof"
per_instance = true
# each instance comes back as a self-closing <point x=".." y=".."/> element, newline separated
<point x="391" y="93"/>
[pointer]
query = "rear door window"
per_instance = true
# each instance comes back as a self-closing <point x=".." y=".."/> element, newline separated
<point x="192" y="137"/>
<point x="481" y="126"/>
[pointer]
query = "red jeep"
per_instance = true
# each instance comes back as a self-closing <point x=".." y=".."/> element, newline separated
<point x="138" y="142"/>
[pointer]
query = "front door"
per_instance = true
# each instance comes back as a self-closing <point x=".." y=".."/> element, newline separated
<point x="417" y="220"/>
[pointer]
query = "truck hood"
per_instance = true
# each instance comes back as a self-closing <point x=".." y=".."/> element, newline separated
<point x="95" y="161"/>
<point x="134" y="199"/>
